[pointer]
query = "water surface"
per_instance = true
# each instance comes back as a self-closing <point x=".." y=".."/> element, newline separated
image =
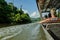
<point x="31" y="31"/>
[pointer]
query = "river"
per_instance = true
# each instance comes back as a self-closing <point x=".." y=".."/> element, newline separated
<point x="32" y="31"/>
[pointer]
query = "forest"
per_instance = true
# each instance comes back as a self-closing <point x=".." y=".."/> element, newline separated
<point x="9" y="14"/>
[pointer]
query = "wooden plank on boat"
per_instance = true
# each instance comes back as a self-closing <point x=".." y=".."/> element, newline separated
<point x="55" y="28"/>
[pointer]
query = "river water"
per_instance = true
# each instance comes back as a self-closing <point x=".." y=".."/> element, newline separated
<point x="31" y="31"/>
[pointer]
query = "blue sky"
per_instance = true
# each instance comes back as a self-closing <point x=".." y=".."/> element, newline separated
<point x="28" y="6"/>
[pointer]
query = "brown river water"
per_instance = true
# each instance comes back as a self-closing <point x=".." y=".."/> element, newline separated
<point x="31" y="31"/>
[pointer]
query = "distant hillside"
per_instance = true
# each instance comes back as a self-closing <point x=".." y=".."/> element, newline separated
<point x="35" y="19"/>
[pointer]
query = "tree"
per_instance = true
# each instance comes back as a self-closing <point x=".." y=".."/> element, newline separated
<point x="3" y="16"/>
<point x="25" y="18"/>
<point x="10" y="14"/>
<point x="17" y="18"/>
<point x="21" y="11"/>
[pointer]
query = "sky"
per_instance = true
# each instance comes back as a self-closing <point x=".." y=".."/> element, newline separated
<point x="28" y="6"/>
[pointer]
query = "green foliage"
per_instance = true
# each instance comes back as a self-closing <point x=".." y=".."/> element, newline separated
<point x="17" y="17"/>
<point x="36" y="19"/>
<point x="10" y="14"/>
<point x="25" y="18"/>
<point x="58" y="14"/>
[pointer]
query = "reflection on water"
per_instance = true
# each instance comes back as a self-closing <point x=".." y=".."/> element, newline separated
<point x="31" y="31"/>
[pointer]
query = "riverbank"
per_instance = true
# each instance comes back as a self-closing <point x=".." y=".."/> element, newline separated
<point x="6" y="25"/>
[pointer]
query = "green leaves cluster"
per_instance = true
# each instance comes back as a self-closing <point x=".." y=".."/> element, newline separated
<point x="10" y="14"/>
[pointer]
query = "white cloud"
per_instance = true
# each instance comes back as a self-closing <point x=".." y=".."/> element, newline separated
<point x="25" y="11"/>
<point x="35" y="14"/>
<point x="32" y="15"/>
